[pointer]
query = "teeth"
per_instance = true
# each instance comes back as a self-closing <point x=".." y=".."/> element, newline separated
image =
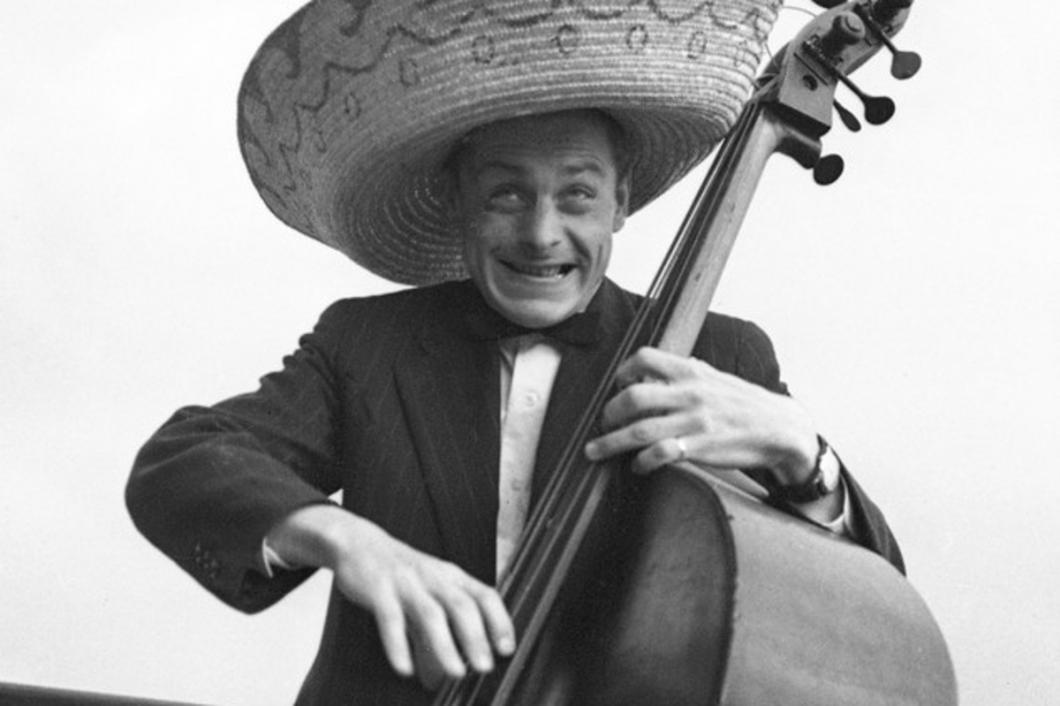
<point x="539" y="270"/>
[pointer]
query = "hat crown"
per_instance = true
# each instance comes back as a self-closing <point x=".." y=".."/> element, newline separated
<point x="348" y="108"/>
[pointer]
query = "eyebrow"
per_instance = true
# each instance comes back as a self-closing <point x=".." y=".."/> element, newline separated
<point x="584" y="165"/>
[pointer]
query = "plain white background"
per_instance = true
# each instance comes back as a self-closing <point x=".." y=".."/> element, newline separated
<point x="913" y="306"/>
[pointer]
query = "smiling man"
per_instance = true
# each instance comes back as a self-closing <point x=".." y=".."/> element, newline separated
<point x="435" y="410"/>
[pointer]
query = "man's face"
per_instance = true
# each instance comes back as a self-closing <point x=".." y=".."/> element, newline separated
<point x="539" y="198"/>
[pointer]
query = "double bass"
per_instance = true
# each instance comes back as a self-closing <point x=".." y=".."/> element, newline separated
<point x="686" y="587"/>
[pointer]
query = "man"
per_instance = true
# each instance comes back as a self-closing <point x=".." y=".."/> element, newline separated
<point x="427" y="408"/>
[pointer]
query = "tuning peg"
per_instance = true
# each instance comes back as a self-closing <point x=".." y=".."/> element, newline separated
<point x="883" y="11"/>
<point x="848" y="118"/>
<point x="878" y="109"/>
<point x="904" y="64"/>
<point x="828" y="169"/>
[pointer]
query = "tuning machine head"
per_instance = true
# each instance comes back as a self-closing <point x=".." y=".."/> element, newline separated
<point x="802" y="79"/>
<point x="846" y="30"/>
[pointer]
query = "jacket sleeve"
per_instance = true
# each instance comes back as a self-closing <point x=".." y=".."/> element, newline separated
<point x="755" y="361"/>
<point x="212" y="481"/>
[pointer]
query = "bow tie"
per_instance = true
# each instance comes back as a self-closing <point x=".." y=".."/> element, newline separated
<point x="581" y="329"/>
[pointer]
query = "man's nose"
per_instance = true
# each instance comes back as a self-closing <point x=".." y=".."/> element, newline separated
<point x="542" y="227"/>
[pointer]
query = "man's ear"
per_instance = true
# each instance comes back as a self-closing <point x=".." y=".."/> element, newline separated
<point x="622" y="197"/>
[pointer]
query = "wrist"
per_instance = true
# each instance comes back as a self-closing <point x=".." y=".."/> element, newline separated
<point x="795" y="461"/>
<point x="313" y="535"/>
<point x="789" y="441"/>
<point x="823" y="479"/>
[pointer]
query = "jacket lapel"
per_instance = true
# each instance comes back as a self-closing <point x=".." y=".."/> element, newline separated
<point x="449" y="386"/>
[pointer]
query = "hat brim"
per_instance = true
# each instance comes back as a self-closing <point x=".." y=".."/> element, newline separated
<point x="345" y="137"/>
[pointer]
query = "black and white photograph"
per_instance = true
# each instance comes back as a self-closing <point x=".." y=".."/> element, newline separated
<point x="529" y="352"/>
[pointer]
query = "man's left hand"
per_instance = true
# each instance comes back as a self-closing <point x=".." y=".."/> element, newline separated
<point x="673" y="408"/>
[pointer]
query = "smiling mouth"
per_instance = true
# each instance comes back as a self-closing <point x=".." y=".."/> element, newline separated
<point x="539" y="271"/>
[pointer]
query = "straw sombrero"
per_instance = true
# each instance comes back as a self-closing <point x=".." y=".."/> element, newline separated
<point x="348" y="109"/>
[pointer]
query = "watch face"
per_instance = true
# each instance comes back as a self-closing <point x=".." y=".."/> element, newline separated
<point x="823" y="481"/>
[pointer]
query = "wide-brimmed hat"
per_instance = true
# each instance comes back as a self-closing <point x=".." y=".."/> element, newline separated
<point x="350" y="107"/>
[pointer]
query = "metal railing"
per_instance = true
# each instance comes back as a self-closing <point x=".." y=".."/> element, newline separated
<point x="26" y="695"/>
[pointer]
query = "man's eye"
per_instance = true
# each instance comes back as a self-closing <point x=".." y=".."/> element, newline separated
<point x="580" y="193"/>
<point x="505" y="197"/>
<point x="578" y="197"/>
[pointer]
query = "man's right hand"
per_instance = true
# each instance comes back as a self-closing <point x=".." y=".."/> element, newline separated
<point x="431" y="614"/>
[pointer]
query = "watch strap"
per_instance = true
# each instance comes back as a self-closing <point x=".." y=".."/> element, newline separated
<point x="823" y="479"/>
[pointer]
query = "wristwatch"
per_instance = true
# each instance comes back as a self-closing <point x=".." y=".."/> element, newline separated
<point x="822" y="481"/>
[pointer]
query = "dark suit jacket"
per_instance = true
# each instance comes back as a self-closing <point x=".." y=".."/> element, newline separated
<point x="390" y="402"/>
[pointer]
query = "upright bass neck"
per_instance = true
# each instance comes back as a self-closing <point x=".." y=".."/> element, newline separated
<point x="685" y="286"/>
<point x="789" y="114"/>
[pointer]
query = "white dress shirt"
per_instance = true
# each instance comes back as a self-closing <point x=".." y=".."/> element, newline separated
<point x="528" y="368"/>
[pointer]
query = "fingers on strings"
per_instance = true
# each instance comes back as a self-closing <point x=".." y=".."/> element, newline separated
<point x="439" y="626"/>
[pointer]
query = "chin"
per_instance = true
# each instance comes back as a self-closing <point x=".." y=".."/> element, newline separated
<point x="534" y="314"/>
